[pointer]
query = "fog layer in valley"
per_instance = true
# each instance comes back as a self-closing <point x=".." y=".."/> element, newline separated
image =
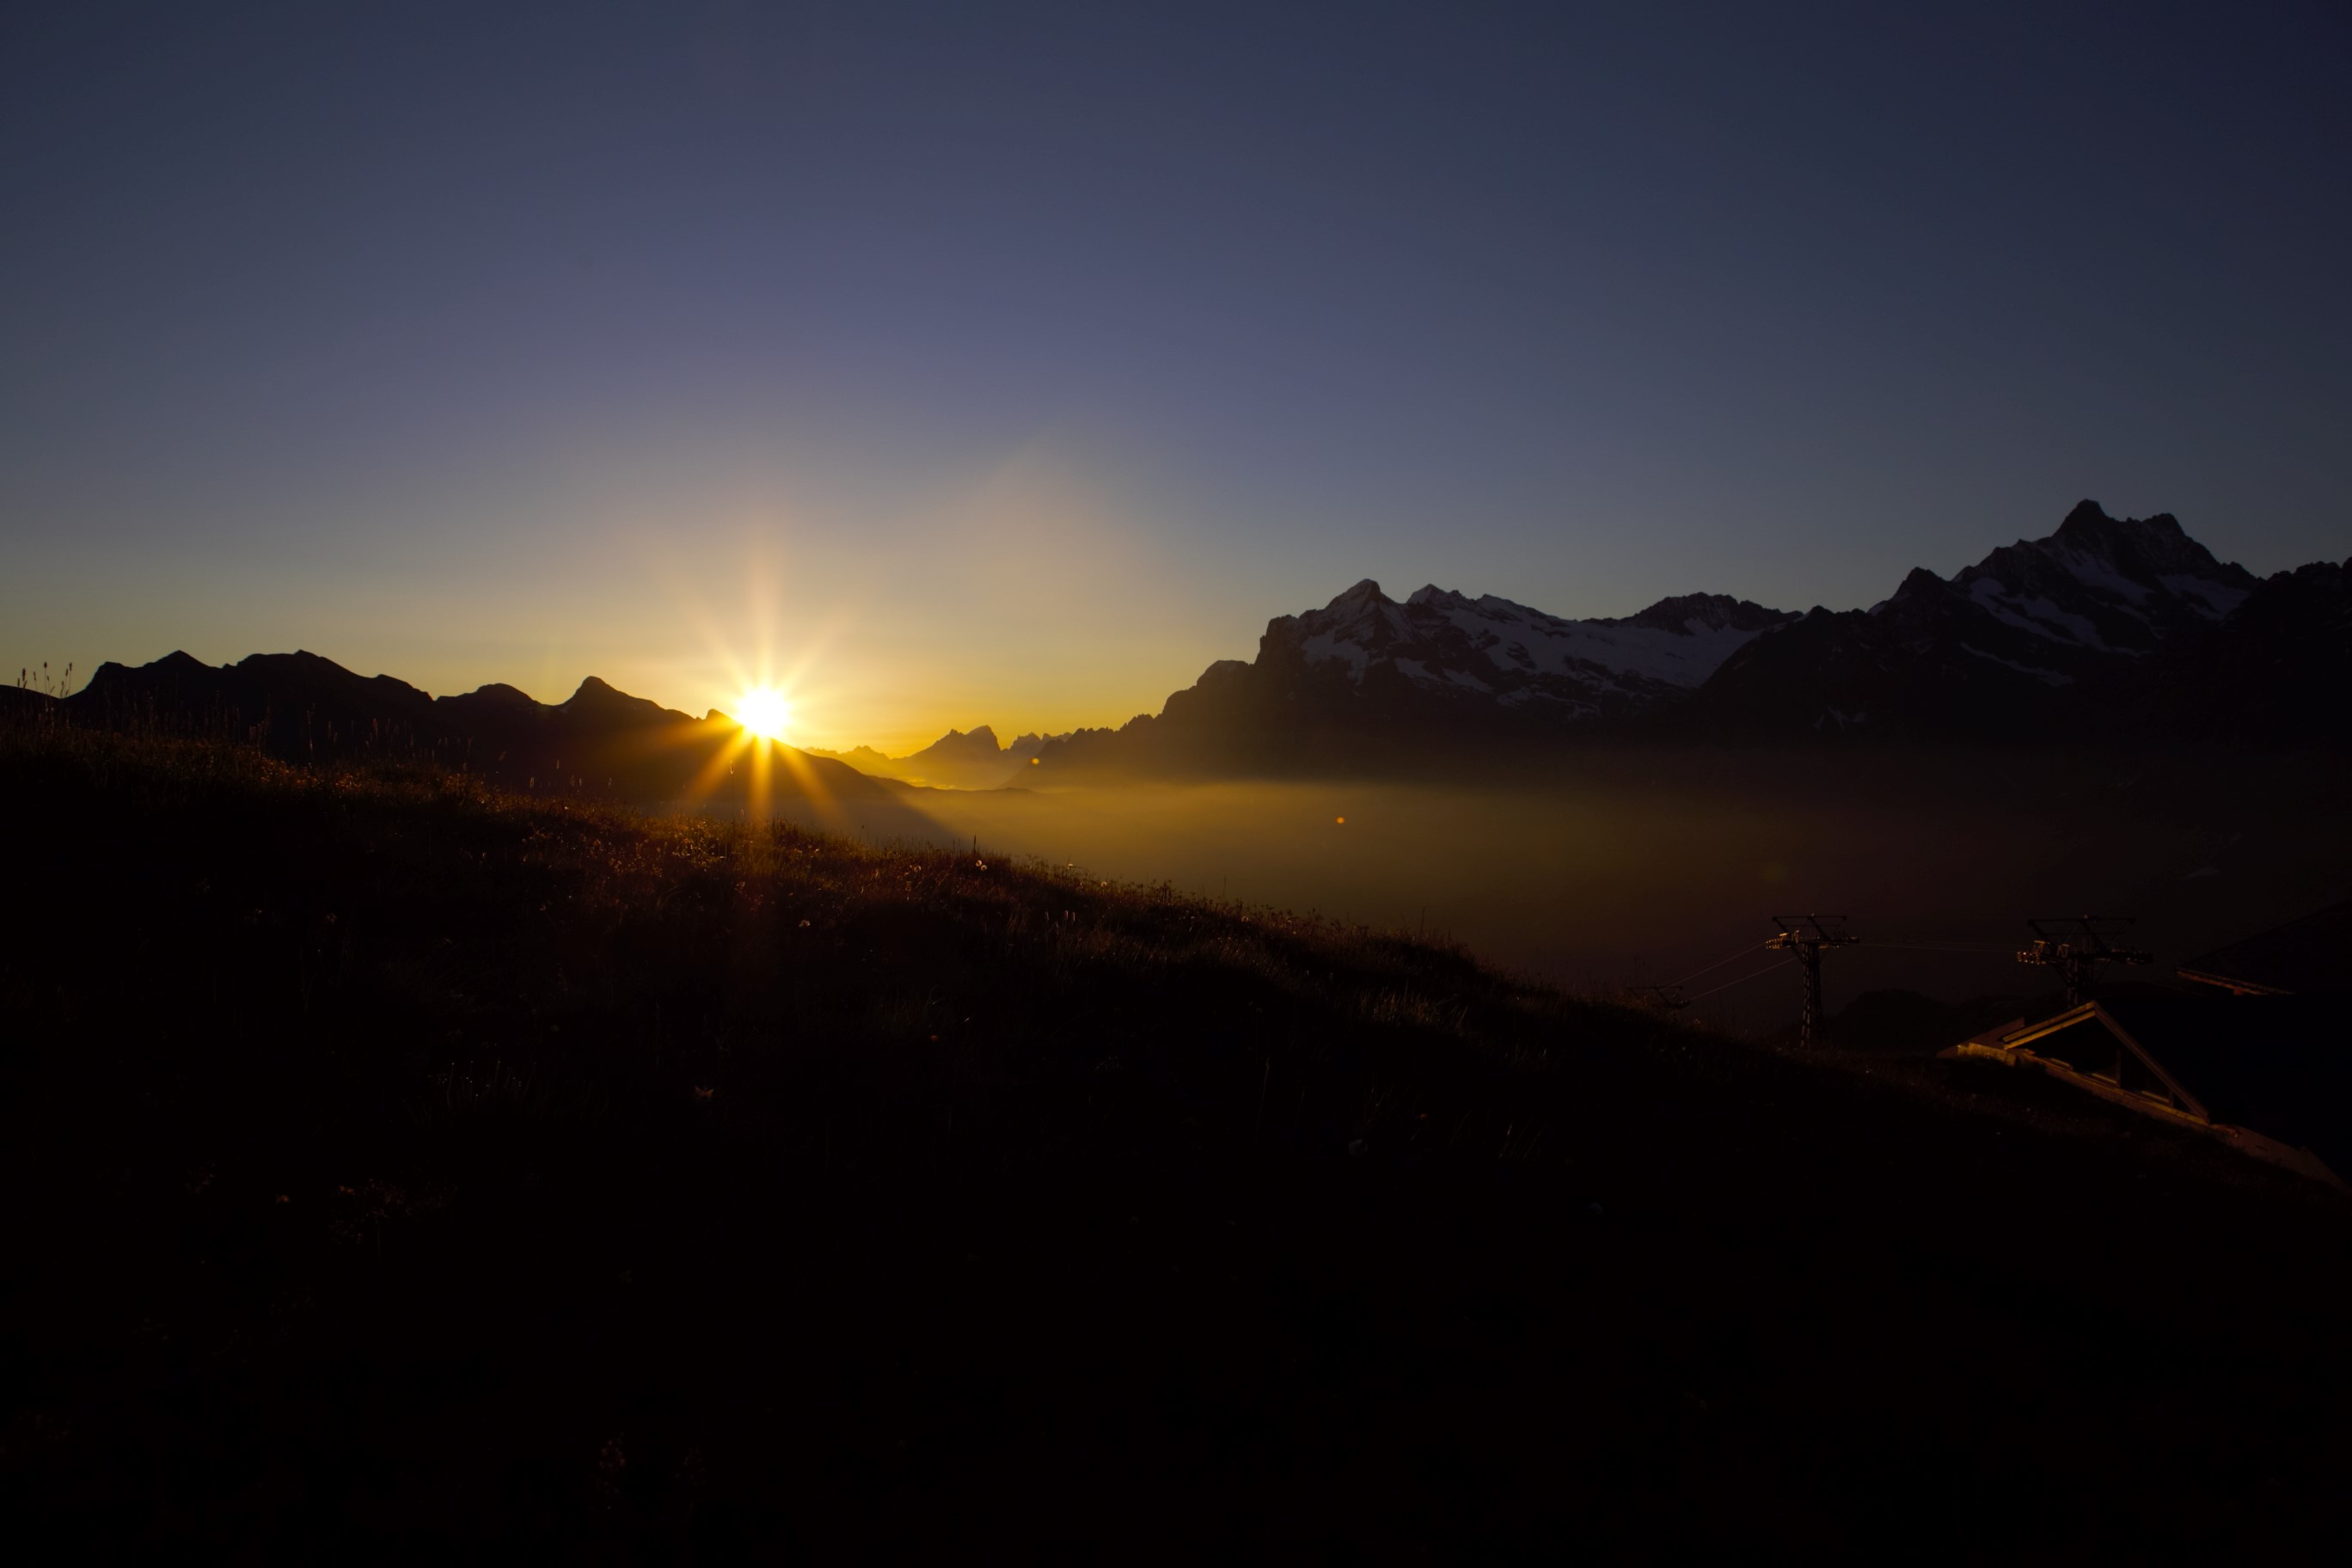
<point x="1633" y="867"/>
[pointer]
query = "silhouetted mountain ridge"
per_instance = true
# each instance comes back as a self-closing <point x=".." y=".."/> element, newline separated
<point x="598" y="743"/>
<point x="2119" y="629"/>
<point x="961" y="759"/>
<point x="2106" y="629"/>
<point x="2063" y="636"/>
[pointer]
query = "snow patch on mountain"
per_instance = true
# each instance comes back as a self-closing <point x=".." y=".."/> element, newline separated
<point x="1440" y="640"/>
<point x="2041" y="616"/>
<point x="2047" y="676"/>
<point x="2113" y="585"/>
<point x="2213" y="600"/>
<point x="1334" y="645"/>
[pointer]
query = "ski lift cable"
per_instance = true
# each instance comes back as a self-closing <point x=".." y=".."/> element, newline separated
<point x="1984" y="950"/>
<point x="1736" y="955"/>
<point x="1767" y="969"/>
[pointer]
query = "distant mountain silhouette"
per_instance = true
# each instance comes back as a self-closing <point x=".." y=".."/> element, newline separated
<point x="1367" y="683"/>
<point x="2110" y="628"/>
<point x="961" y="759"/>
<point x="2043" y="637"/>
<point x="2116" y="630"/>
<point x="600" y="744"/>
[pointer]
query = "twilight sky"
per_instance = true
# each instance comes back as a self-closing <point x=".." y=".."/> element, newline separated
<point x="1009" y="362"/>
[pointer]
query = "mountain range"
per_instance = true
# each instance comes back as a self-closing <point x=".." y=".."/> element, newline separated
<point x="600" y="744"/>
<point x="961" y="759"/>
<point x="2108" y="631"/>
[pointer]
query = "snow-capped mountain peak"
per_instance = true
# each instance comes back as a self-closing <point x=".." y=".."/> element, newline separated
<point x="2099" y="584"/>
<point x="2103" y="628"/>
<point x="1439" y="641"/>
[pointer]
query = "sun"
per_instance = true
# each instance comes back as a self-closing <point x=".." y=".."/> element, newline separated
<point x="764" y="712"/>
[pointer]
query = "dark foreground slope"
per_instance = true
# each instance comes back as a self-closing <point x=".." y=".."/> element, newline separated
<point x="393" y="1165"/>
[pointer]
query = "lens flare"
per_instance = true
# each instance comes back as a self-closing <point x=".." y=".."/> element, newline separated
<point x="764" y="712"/>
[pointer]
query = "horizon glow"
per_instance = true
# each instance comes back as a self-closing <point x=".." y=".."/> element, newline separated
<point x="1010" y="368"/>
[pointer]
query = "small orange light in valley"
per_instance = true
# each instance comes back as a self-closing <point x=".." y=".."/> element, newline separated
<point x="1343" y="822"/>
<point x="764" y="712"/>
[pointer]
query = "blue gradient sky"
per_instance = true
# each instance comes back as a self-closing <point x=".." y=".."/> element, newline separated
<point x="1009" y="362"/>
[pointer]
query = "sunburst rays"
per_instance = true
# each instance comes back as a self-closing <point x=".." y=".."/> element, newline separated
<point x="765" y="711"/>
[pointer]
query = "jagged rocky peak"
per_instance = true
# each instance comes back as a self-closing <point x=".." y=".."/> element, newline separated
<point x="2102" y="584"/>
<point x="2131" y="556"/>
<point x="1491" y="650"/>
<point x="2147" y="549"/>
<point x="2008" y="646"/>
<point x="2088" y="526"/>
<point x="600" y="700"/>
<point x="1919" y="585"/>
<point x="2112" y="585"/>
<point x="977" y="744"/>
<point x="176" y="670"/>
<point x="1690" y="614"/>
<point x="1361" y="609"/>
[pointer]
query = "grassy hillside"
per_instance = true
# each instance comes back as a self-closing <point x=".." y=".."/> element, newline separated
<point x="390" y="1164"/>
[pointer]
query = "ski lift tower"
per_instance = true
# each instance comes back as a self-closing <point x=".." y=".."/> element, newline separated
<point x="2076" y="946"/>
<point x="1804" y="937"/>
